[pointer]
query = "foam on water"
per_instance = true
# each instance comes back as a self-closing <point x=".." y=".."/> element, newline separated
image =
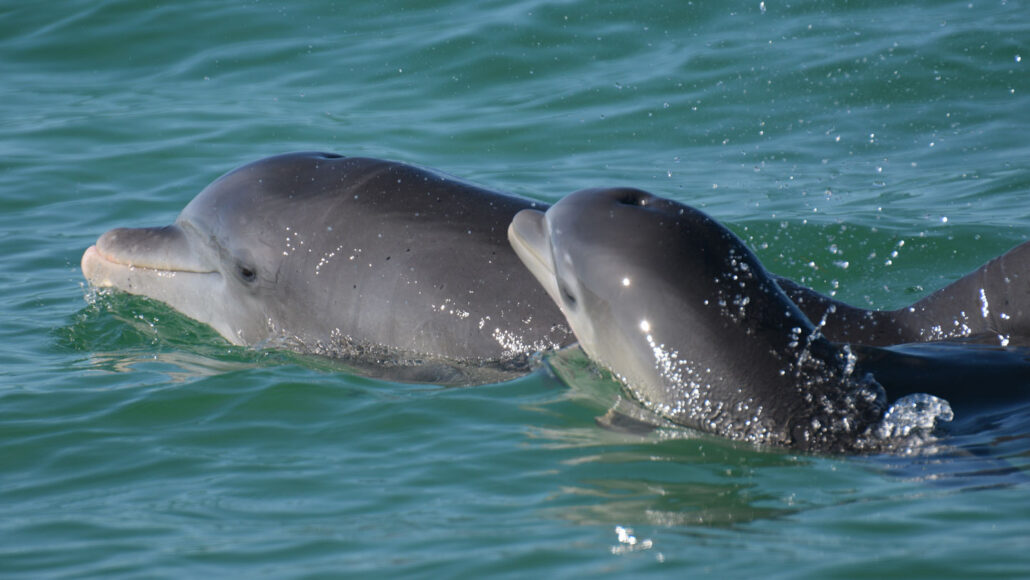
<point x="914" y="418"/>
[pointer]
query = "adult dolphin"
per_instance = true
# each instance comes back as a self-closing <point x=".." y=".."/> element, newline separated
<point x="684" y="314"/>
<point x="358" y="258"/>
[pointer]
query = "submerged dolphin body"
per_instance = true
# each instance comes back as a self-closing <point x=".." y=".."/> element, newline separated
<point x="684" y="314"/>
<point x="352" y="257"/>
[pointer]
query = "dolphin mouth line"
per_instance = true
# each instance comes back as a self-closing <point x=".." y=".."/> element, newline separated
<point x="96" y="253"/>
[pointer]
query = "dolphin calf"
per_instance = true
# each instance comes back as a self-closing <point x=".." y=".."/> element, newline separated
<point x="350" y="257"/>
<point x="685" y="315"/>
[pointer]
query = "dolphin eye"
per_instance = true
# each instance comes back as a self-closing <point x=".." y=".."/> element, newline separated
<point x="566" y="295"/>
<point x="247" y="273"/>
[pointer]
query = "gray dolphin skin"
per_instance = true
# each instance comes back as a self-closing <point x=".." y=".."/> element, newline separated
<point x="990" y="305"/>
<point x="350" y="257"/>
<point x="684" y="314"/>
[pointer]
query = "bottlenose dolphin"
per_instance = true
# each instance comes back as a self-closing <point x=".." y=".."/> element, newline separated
<point x="350" y="257"/>
<point x="685" y="315"/>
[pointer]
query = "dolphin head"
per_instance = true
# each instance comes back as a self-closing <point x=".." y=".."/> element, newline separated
<point x="635" y="273"/>
<point x="580" y="260"/>
<point x="222" y="261"/>
<point x="678" y="308"/>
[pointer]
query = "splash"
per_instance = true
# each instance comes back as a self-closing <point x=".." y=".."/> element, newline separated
<point x="516" y="345"/>
<point x="915" y="415"/>
<point x="629" y="542"/>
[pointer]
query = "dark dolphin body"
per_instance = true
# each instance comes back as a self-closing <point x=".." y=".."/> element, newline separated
<point x="683" y="313"/>
<point x="408" y="274"/>
<point x="990" y="305"/>
<point x="363" y="259"/>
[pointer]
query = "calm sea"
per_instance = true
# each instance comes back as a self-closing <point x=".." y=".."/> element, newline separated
<point x="876" y="150"/>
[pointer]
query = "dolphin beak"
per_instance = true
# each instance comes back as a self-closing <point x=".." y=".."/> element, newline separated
<point x="165" y="249"/>
<point x="164" y="264"/>
<point x="529" y="237"/>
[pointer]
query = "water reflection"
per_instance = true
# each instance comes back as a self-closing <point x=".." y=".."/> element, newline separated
<point x="672" y="477"/>
<point x="668" y="503"/>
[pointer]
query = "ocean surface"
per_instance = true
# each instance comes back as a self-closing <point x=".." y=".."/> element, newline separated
<point x="874" y="150"/>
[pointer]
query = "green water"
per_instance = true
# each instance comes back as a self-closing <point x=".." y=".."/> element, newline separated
<point x="135" y="443"/>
